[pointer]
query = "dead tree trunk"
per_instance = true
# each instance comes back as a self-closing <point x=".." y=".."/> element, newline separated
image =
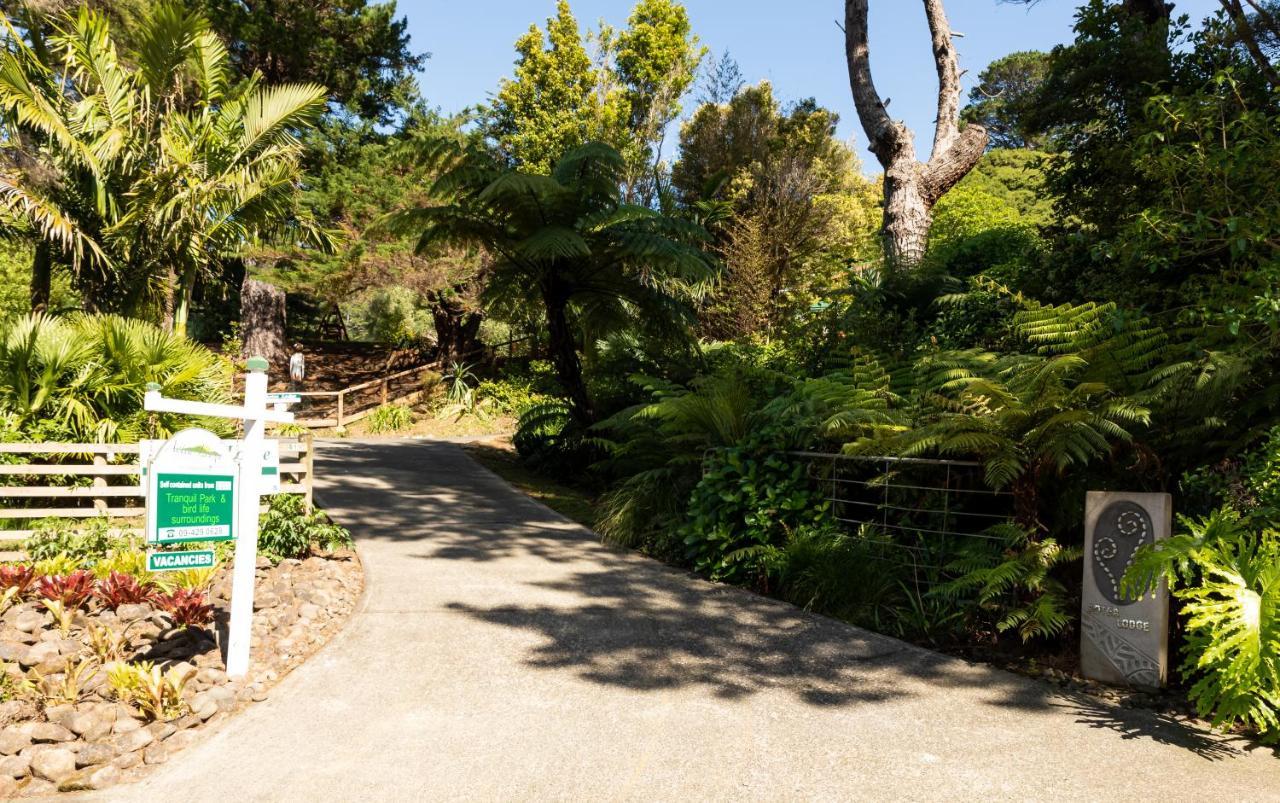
<point x="262" y="320"/>
<point x="911" y="188"/>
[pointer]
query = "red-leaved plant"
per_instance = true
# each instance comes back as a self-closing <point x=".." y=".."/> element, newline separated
<point x="70" y="589"/>
<point x="185" y="606"/>
<point x="119" y="589"/>
<point x="17" y="575"/>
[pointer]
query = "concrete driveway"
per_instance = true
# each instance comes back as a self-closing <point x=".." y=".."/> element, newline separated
<point x="502" y="653"/>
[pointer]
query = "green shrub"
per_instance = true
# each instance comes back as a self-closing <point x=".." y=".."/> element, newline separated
<point x="510" y="396"/>
<point x="390" y="418"/>
<point x="84" y="542"/>
<point x="747" y="503"/>
<point x="288" y="529"/>
<point x="1228" y="579"/>
<point x="82" y="378"/>
<point x="1008" y="584"/>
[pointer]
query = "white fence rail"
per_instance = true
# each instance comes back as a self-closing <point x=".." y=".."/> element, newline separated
<point x="88" y="480"/>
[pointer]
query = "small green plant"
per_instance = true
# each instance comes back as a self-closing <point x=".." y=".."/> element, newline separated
<point x="109" y="646"/>
<point x="288" y="530"/>
<point x="58" y="565"/>
<point x="85" y="543"/>
<point x="390" y="418"/>
<point x="1010" y="582"/>
<point x="157" y="693"/>
<point x="128" y="561"/>
<point x="63" y="615"/>
<point x="66" y="687"/>
<point x="188" y="579"/>
<point x="1228" y="579"/>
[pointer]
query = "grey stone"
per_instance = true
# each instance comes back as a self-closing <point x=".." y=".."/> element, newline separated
<point x="132" y="741"/>
<point x="13" y="710"/>
<point x="125" y="724"/>
<point x="1122" y="641"/>
<point x="162" y="730"/>
<point x="126" y="761"/>
<point x="41" y="654"/>
<point x="189" y="721"/>
<point x="156" y="754"/>
<point x="15" y="766"/>
<point x="91" y="779"/>
<point x="55" y="765"/>
<point x="90" y="725"/>
<point x="181" y="740"/>
<point x="13" y="739"/>
<point x="129" y="612"/>
<point x="13" y="651"/>
<point x="96" y="753"/>
<point x="37" y="787"/>
<point x="8" y="787"/>
<point x="212" y="675"/>
<point x="30" y="621"/>
<point x="48" y="732"/>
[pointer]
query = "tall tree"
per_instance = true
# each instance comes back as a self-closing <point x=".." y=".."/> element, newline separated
<point x="552" y="105"/>
<point x="798" y="207"/>
<point x="142" y="178"/>
<point x="628" y="95"/>
<point x="357" y="48"/>
<point x="566" y="243"/>
<point x="911" y="188"/>
<point x="1001" y="100"/>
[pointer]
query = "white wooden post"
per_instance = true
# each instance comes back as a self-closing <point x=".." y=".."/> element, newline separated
<point x="255" y="415"/>
<point x="246" y="550"/>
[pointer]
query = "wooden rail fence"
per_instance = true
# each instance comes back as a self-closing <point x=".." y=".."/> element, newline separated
<point x="337" y="408"/>
<point x="111" y="470"/>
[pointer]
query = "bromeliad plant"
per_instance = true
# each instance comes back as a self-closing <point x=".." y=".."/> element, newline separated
<point x="1227" y="576"/>
<point x="121" y="589"/>
<point x="186" y="607"/>
<point x="156" y="692"/>
<point x="71" y="590"/>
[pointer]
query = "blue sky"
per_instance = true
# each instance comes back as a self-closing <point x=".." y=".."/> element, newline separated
<point x="794" y="44"/>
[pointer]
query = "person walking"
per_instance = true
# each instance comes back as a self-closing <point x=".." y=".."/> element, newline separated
<point x="297" y="368"/>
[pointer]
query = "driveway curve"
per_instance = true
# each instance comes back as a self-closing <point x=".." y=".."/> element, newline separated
<point x="502" y="653"/>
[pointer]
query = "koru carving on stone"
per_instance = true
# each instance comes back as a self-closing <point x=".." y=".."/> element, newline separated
<point x="1122" y="528"/>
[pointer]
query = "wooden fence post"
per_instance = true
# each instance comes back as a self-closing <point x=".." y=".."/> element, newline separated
<point x="309" y="464"/>
<point x="340" y="393"/>
<point x="100" y="503"/>
<point x="384" y="390"/>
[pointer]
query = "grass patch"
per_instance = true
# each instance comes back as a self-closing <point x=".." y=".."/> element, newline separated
<point x="573" y="503"/>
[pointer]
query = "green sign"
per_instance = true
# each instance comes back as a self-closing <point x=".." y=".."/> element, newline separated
<point x="193" y="507"/>
<point x="177" y="561"/>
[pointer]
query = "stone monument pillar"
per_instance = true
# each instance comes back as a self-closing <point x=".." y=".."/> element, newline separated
<point x="1123" y="641"/>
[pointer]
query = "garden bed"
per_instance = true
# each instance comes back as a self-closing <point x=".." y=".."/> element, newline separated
<point x="93" y="699"/>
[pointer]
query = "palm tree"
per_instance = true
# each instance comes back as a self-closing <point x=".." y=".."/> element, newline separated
<point x="142" y="173"/>
<point x="568" y="243"/>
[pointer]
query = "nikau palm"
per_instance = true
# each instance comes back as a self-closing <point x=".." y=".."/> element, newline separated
<point x="565" y="242"/>
<point x="140" y="172"/>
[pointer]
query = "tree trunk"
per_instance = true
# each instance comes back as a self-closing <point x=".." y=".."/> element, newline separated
<point x="181" y="311"/>
<point x="457" y="328"/>
<point x="262" y="321"/>
<point x="564" y="355"/>
<point x="911" y="188"/>
<point x="41" y="278"/>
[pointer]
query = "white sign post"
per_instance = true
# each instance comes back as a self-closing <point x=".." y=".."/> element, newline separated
<point x="255" y="415"/>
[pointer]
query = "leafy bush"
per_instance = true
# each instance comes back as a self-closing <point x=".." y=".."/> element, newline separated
<point x="288" y="530"/>
<point x="85" y="542"/>
<point x="510" y="396"/>
<point x="390" y="418"/>
<point x="552" y="441"/>
<point x="1009" y="582"/>
<point x="747" y="503"/>
<point x="1228" y="579"/>
<point x="82" y="378"/>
